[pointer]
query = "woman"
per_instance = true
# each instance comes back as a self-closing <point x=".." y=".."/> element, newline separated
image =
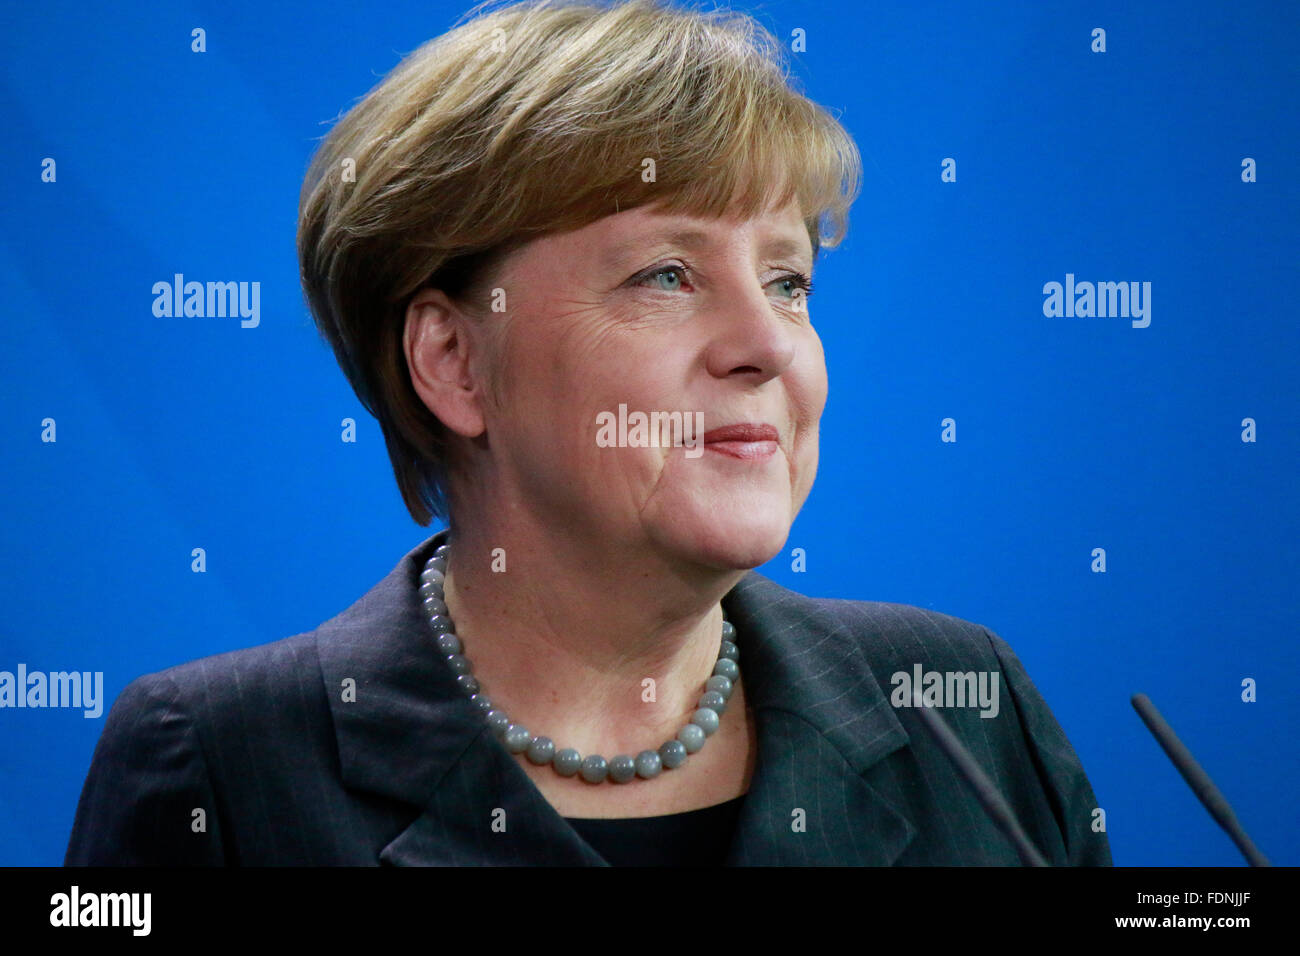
<point x="563" y="254"/>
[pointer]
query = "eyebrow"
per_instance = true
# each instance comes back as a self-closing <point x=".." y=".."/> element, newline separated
<point x="698" y="239"/>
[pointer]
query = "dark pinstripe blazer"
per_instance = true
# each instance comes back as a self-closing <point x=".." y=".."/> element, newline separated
<point x="287" y="772"/>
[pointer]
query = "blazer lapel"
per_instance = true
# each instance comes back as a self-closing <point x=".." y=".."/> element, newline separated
<point x="404" y="731"/>
<point x="823" y="721"/>
<point x="486" y="812"/>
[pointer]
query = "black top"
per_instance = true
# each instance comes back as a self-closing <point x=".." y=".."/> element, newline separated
<point x="695" y="838"/>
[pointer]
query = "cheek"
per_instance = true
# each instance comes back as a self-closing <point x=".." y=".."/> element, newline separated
<point x="636" y="368"/>
<point x="559" y="392"/>
<point x="533" y="424"/>
<point x="819" y="369"/>
<point x="810" y="386"/>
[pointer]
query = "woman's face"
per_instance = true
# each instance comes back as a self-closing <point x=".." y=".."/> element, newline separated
<point x="657" y="313"/>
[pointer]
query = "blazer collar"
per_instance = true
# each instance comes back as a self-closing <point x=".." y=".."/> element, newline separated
<point x="405" y="731"/>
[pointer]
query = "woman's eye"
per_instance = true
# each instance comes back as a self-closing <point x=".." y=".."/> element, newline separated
<point x="796" y="285"/>
<point x="674" y="273"/>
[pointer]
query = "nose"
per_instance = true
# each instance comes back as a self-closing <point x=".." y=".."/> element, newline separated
<point x="754" y="338"/>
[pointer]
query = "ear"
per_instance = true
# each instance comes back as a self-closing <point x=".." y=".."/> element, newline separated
<point x="437" y="345"/>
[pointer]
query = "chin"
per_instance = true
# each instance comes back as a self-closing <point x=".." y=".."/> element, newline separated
<point x="736" y="536"/>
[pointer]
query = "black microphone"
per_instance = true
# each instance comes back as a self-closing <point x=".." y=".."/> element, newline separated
<point x="1197" y="779"/>
<point x="992" y="801"/>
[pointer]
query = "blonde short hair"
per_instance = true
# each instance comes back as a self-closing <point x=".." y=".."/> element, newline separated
<point x="532" y="118"/>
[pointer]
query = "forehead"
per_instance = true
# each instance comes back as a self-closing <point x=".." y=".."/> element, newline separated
<point x="773" y="232"/>
<point x="614" y="241"/>
<point x="620" y="241"/>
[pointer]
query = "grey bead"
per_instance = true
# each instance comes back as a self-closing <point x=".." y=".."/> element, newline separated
<point x="468" y="683"/>
<point x="441" y="550"/>
<point x="567" y="762"/>
<point x="433" y="575"/>
<point x="706" y="719"/>
<point x="434" y="605"/>
<point x="714" y="701"/>
<point x="438" y="562"/>
<point x="728" y="631"/>
<point x="459" y="663"/>
<point x="594" y="768"/>
<point x="727" y="669"/>
<point x="430" y="589"/>
<point x="541" y="751"/>
<point x="448" y="642"/>
<point x="648" y="764"/>
<point x="517" y="739"/>
<point x="721" y="684"/>
<point x="440" y="623"/>
<point x="498" y="721"/>
<point x="672" y="754"/>
<point x="729" y="651"/>
<point x="481" y="703"/>
<point x="692" y="737"/>
<point x="622" y="768"/>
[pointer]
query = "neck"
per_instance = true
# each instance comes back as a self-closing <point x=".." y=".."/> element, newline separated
<point x="566" y="638"/>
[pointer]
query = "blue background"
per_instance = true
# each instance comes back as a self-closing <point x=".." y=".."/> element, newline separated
<point x="1073" y="433"/>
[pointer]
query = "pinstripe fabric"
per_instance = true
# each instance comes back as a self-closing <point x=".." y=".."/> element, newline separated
<point x="285" y="771"/>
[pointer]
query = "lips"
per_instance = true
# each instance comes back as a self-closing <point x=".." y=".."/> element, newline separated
<point x="746" y="441"/>
<point x="741" y="433"/>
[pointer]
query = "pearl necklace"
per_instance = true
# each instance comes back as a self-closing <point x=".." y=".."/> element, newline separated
<point x="541" y="750"/>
